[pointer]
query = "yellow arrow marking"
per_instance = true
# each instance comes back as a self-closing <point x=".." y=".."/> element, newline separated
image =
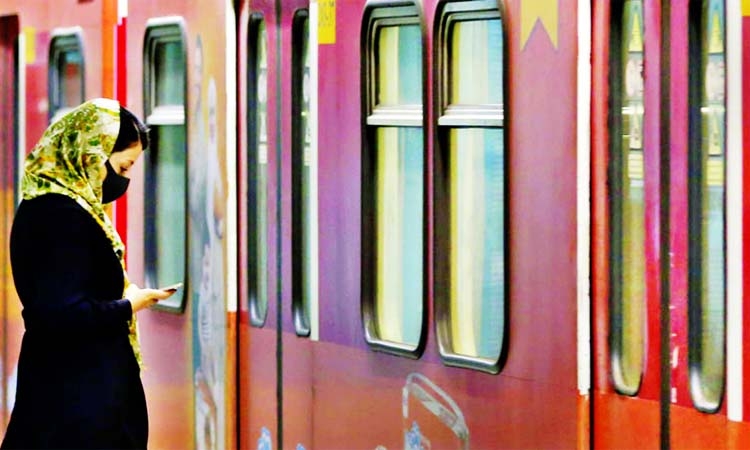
<point x="544" y="11"/>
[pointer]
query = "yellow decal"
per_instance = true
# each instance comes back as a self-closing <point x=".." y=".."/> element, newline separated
<point x="326" y="21"/>
<point x="29" y="37"/>
<point x="636" y="36"/>
<point x="746" y="7"/>
<point x="544" y="11"/>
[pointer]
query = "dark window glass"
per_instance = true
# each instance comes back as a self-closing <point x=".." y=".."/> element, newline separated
<point x="303" y="221"/>
<point x="258" y="171"/>
<point x="707" y="187"/>
<point x="627" y="245"/>
<point x="66" y="74"/>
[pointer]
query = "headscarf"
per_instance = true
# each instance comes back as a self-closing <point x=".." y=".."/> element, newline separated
<point x="68" y="160"/>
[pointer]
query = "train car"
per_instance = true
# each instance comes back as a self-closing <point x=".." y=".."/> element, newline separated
<point x="410" y="225"/>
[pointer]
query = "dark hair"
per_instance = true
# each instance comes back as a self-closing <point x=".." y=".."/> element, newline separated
<point x="131" y="130"/>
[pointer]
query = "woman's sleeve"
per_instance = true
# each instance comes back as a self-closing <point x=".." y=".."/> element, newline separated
<point x="61" y="299"/>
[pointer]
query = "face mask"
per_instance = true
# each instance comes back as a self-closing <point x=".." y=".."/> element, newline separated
<point x="114" y="185"/>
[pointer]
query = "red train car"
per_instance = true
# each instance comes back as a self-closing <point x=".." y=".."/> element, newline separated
<point x="360" y="237"/>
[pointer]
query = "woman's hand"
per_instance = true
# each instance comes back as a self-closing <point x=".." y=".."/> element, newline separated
<point x="143" y="298"/>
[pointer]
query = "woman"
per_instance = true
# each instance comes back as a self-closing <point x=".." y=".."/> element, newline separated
<point x="79" y="380"/>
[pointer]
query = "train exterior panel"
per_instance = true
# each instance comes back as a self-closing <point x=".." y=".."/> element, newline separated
<point x="259" y="405"/>
<point x="189" y="346"/>
<point x="612" y="411"/>
<point x="166" y="338"/>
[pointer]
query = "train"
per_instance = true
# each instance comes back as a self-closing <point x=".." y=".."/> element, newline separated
<point x="417" y="224"/>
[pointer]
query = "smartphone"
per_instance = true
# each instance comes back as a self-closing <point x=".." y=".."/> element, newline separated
<point x="171" y="288"/>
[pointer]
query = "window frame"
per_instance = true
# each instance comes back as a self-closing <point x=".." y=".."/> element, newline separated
<point x="300" y="316"/>
<point x="696" y="84"/>
<point x="447" y="117"/>
<point x="616" y="179"/>
<point x="159" y="31"/>
<point x="256" y="22"/>
<point x="63" y="41"/>
<point x="378" y="14"/>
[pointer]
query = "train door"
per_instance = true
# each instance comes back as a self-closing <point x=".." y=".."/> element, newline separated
<point x="627" y="240"/>
<point x="258" y="310"/>
<point x="276" y="225"/>
<point x="180" y="210"/>
<point x="667" y="229"/>
<point x="705" y="235"/>
<point x="298" y="225"/>
<point x="9" y="32"/>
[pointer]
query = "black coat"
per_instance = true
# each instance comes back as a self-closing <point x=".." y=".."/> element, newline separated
<point x="79" y="384"/>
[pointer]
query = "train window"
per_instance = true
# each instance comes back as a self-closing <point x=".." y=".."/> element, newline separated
<point x="65" y="72"/>
<point x="470" y="179"/>
<point x="257" y="110"/>
<point x="706" y="207"/>
<point x="627" y="207"/>
<point x="393" y="183"/>
<point x="303" y="189"/>
<point x="164" y="75"/>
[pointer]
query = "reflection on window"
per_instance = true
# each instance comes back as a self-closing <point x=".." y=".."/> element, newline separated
<point x="166" y="160"/>
<point x="471" y="314"/>
<point x="169" y="71"/>
<point x="707" y="209"/>
<point x="257" y="172"/>
<point x="304" y="189"/>
<point x="477" y="257"/>
<point x="393" y="232"/>
<point x="66" y="74"/>
<point x="400" y="167"/>
<point x="399" y="74"/>
<point x="476" y="62"/>
<point x="400" y="155"/>
<point x="165" y="205"/>
<point x="627" y="246"/>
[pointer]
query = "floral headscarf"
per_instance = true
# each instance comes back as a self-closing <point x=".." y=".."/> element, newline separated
<point x="68" y="160"/>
